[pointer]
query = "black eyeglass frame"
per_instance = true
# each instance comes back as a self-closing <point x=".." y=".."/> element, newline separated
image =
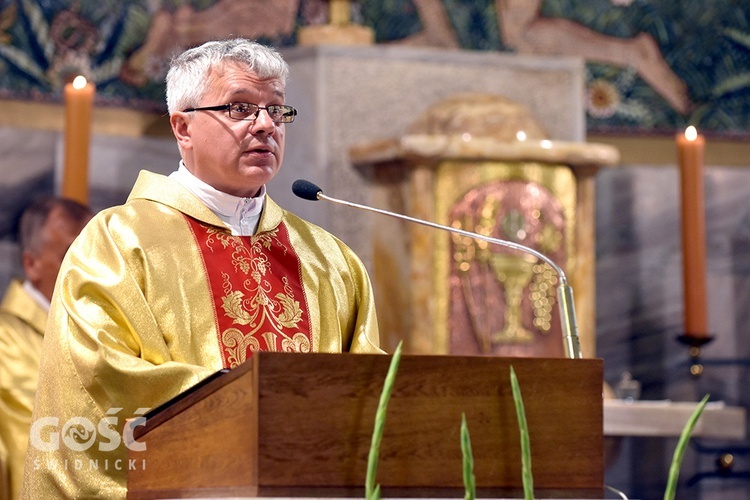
<point x="288" y="111"/>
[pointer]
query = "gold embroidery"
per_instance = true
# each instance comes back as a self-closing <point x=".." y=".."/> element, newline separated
<point x="543" y="289"/>
<point x="514" y="271"/>
<point x="232" y="305"/>
<point x="237" y="344"/>
<point x="270" y="339"/>
<point x="549" y="239"/>
<point x="298" y="343"/>
<point x="222" y="236"/>
<point x="291" y="314"/>
<point x="254" y="307"/>
<point x="265" y="240"/>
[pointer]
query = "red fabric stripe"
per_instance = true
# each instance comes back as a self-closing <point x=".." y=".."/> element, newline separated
<point x="259" y="300"/>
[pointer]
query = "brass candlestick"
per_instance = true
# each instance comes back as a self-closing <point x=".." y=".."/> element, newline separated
<point x="695" y="344"/>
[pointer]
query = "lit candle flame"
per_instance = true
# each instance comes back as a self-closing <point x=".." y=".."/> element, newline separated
<point x="79" y="82"/>
<point x="546" y="144"/>
<point x="521" y="135"/>
<point x="691" y="133"/>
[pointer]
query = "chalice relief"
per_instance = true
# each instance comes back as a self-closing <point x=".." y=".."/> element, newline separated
<point x="508" y="295"/>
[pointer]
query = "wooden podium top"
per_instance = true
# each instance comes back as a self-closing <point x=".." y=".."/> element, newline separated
<point x="287" y="423"/>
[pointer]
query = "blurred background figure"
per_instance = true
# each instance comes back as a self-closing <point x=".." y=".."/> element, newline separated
<point x="46" y="229"/>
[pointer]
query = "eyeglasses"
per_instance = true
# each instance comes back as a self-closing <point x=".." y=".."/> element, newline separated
<point x="279" y="113"/>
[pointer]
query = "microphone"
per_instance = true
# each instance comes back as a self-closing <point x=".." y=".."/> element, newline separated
<point x="309" y="191"/>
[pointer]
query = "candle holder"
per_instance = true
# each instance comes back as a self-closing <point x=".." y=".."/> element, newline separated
<point x="695" y="344"/>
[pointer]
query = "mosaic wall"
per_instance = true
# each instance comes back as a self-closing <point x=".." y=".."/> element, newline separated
<point x="653" y="66"/>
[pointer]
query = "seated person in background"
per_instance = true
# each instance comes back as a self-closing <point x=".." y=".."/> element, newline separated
<point x="194" y="273"/>
<point x="46" y="229"/>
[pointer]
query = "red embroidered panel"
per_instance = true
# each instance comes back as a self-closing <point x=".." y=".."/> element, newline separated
<point x="257" y="290"/>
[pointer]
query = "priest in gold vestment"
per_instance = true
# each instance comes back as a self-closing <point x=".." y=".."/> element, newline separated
<point x="194" y="273"/>
<point x="47" y="227"/>
<point x="22" y="322"/>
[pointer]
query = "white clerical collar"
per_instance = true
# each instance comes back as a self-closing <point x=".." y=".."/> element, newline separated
<point x="35" y="294"/>
<point x="241" y="215"/>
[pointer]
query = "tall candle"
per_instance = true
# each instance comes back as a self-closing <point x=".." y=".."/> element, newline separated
<point x="690" y="146"/>
<point x="79" y="98"/>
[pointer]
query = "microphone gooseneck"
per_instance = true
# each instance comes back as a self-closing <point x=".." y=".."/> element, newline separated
<point x="309" y="191"/>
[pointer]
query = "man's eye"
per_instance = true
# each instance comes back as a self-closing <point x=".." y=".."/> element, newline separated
<point x="242" y="108"/>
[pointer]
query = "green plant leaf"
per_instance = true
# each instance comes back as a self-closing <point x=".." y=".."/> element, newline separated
<point x="679" y="452"/>
<point x="526" y="475"/>
<point x="372" y="492"/>
<point x="468" y="461"/>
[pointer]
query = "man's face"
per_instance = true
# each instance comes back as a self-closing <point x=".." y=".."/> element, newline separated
<point x="235" y="157"/>
<point x="42" y="265"/>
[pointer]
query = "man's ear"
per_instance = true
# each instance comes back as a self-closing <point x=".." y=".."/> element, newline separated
<point x="30" y="266"/>
<point x="179" y="122"/>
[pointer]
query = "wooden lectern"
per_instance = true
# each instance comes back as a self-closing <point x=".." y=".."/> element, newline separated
<point x="286" y="424"/>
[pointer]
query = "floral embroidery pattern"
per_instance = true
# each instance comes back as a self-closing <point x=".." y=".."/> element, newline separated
<point x="258" y="295"/>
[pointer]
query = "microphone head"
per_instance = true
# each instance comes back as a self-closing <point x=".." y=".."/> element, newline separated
<point x="306" y="189"/>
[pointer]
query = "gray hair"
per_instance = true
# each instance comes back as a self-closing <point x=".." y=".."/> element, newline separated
<point x="187" y="79"/>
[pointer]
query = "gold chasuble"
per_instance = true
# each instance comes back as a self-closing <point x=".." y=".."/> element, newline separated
<point x="22" y="322"/>
<point x="157" y="294"/>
